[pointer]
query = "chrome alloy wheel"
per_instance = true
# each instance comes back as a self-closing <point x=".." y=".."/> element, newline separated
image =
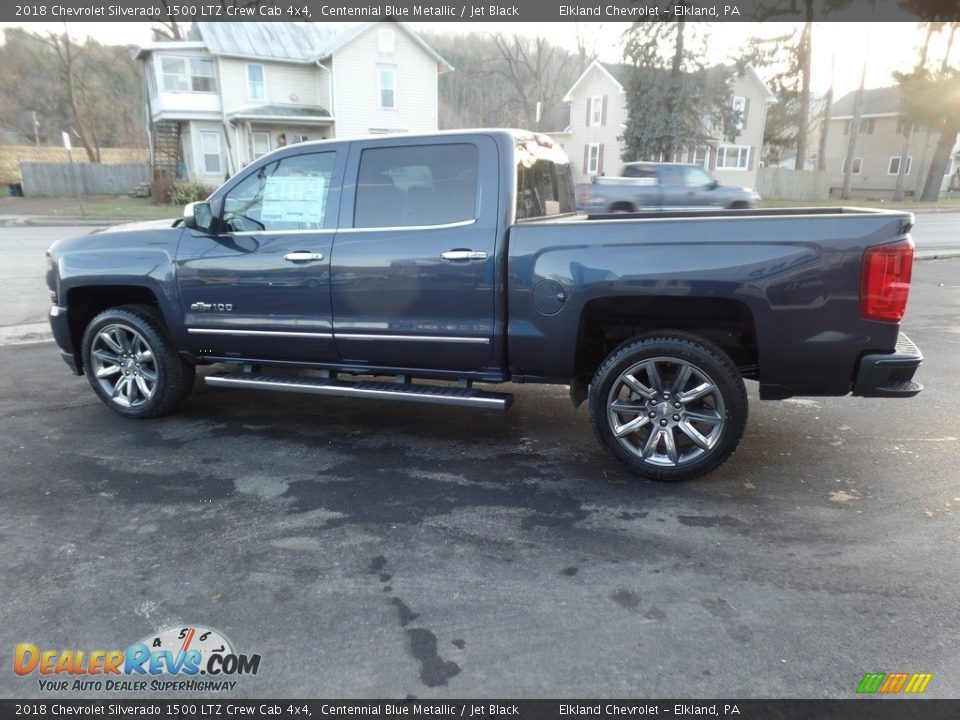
<point x="666" y="411"/>
<point x="124" y="365"/>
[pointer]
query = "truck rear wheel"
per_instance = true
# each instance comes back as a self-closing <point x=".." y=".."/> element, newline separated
<point x="132" y="364"/>
<point x="670" y="406"/>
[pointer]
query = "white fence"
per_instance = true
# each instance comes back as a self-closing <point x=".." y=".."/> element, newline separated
<point x="783" y="184"/>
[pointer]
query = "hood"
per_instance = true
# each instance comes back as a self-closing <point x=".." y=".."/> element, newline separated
<point x="141" y="225"/>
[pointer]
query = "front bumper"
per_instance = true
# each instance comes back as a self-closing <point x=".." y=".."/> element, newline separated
<point x="889" y="375"/>
<point x="60" y="326"/>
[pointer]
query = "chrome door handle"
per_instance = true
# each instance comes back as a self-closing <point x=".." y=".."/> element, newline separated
<point x="302" y="256"/>
<point x="464" y="255"/>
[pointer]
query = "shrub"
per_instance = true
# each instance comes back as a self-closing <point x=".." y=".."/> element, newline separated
<point x="184" y="192"/>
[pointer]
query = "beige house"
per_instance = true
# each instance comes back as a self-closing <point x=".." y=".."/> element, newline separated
<point x="233" y="91"/>
<point x="877" y="155"/>
<point x="593" y="119"/>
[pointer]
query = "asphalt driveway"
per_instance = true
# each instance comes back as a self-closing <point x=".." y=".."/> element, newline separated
<point x="378" y="550"/>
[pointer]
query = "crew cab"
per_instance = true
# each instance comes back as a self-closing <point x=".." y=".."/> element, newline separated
<point x="660" y="186"/>
<point x="414" y="267"/>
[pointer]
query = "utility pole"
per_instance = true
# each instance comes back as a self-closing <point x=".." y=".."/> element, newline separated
<point x="36" y="128"/>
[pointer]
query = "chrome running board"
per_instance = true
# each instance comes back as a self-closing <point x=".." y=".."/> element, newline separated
<point x="436" y="395"/>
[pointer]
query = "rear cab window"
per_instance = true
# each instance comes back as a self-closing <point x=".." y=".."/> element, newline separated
<point x="544" y="180"/>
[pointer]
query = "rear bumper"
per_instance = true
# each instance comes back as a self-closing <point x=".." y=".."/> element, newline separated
<point x="60" y="326"/>
<point x="889" y="375"/>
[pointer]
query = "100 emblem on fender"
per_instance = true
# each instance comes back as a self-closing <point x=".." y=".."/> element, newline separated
<point x="210" y="307"/>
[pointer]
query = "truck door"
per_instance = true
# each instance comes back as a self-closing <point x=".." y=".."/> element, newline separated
<point x="674" y="192"/>
<point x="702" y="187"/>
<point x="413" y="263"/>
<point x="260" y="288"/>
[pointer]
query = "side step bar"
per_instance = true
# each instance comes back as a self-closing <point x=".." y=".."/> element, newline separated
<point x="460" y="396"/>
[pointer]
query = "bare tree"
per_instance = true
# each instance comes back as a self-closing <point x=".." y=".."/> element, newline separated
<point x="70" y="62"/>
<point x="898" y="192"/>
<point x="536" y="69"/>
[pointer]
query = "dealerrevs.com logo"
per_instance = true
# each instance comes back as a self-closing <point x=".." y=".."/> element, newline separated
<point x="190" y="658"/>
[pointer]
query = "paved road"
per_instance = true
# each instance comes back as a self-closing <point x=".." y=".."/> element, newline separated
<point x="937" y="233"/>
<point x="384" y="550"/>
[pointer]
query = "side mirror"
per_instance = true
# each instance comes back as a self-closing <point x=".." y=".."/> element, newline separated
<point x="197" y="216"/>
<point x="713" y="185"/>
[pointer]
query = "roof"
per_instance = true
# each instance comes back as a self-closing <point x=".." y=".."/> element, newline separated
<point x="876" y="101"/>
<point x="288" y="41"/>
<point x="284" y="111"/>
<point x="296" y="42"/>
<point x="555" y="120"/>
<point x="619" y="74"/>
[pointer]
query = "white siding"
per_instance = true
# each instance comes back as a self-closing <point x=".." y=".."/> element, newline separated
<point x="286" y="83"/>
<point x="582" y="135"/>
<point x="751" y="134"/>
<point x="356" y="102"/>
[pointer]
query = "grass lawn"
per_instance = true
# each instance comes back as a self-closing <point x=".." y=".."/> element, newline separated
<point x="100" y="206"/>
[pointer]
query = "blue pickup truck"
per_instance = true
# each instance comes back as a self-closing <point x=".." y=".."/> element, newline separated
<point x="412" y="267"/>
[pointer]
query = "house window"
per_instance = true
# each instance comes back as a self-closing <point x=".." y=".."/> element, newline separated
<point x="593" y="160"/>
<point x="255" y="83"/>
<point x="387" y="78"/>
<point x="210" y="149"/>
<point x="385" y="41"/>
<point x="740" y="109"/>
<point x="893" y="167"/>
<point x="866" y="126"/>
<point x="261" y="144"/>
<point x="596" y="110"/>
<point x="700" y="156"/>
<point x="188" y="75"/>
<point x="733" y="157"/>
<point x="857" y="166"/>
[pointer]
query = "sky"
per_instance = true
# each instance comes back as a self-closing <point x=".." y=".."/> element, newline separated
<point x="839" y="48"/>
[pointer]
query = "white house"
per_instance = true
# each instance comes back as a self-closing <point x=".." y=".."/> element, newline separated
<point x="233" y="91"/>
<point x="593" y="119"/>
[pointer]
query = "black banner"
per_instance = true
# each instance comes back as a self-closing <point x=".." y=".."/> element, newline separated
<point x="861" y="709"/>
<point x="476" y="11"/>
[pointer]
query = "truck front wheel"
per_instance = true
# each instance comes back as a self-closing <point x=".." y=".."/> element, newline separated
<point x="132" y="364"/>
<point x="670" y="406"/>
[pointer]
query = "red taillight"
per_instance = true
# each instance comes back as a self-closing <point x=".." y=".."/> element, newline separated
<point x="885" y="283"/>
<point x="584" y="197"/>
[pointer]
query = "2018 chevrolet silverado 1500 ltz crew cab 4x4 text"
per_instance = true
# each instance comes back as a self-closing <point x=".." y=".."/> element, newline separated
<point x="456" y="258"/>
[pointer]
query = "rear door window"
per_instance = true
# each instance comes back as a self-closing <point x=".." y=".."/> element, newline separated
<point x="417" y="185"/>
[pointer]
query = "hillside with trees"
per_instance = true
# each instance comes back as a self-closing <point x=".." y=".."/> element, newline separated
<point x="52" y="83"/>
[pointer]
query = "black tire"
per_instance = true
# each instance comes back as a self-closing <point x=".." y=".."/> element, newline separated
<point x="645" y="406"/>
<point x="740" y="205"/>
<point x="133" y="365"/>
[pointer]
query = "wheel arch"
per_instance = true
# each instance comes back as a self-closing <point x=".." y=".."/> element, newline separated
<point x="607" y="323"/>
<point x="85" y="302"/>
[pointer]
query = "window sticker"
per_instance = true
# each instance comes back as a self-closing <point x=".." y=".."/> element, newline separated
<point x="294" y="199"/>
